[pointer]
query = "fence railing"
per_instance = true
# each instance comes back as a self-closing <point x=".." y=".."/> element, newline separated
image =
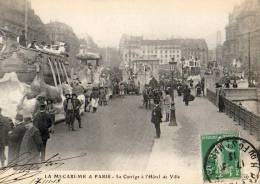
<point x="248" y="120"/>
<point x="211" y="96"/>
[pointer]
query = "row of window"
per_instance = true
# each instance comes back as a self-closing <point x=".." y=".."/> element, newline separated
<point x="160" y="56"/>
<point x="161" y="51"/>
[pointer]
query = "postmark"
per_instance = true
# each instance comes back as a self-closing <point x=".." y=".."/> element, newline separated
<point x="227" y="157"/>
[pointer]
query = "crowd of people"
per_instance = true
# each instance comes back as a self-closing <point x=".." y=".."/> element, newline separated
<point x="24" y="140"/>
<point x="27" y="136"/>
<point x="161" y="99"/>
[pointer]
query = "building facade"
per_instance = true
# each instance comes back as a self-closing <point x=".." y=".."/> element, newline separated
<point x="12" y="17"/>
<point x="132" y="48"/>
<point x="243" y="35"/>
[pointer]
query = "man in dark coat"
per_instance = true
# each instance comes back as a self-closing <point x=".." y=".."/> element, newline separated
<point x="15" y="139"/>
<point x="87" y="100"/>
<point x="42" y="121"/>
<point x="186" y="95"/>
<point x="2" y="143"/>
<point x="76" y="107"/>
<point x="5" y="127"/>
<point x="69" y="112"/>
<point x="203" y="86"/>
<point x="51" y="110"/>
<point x="157" y="119"/>
<point x="145" y="97"/>
<point x="31" y="144"/>
<point x="221" y="104"/>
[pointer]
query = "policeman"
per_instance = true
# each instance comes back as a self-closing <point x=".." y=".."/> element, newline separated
<point x="69" y="112"/>
<point x="76" y="107"/>
<point x="157" y="119"/>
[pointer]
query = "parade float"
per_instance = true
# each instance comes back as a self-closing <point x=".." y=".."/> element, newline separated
<point x="92" y="73"/>
<point x="26" y="73"/>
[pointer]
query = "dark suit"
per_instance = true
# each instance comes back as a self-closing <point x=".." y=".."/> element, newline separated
<point x="15" y="139"/>
<point x="43" y="122"/>
<point x="157" y="119"/>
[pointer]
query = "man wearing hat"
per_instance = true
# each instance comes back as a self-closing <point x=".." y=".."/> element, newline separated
<point x="39" y="101"/>
<point x="42" y="121"/>
<point x="15" y="138"/>
<point x="76" y="106"/>
<point x="69" y="112"/>
<point x="51" y="111"/>
<point x="157" y="119"/>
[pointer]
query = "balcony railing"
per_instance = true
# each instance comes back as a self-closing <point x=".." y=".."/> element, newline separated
<point x="248" y="120"/>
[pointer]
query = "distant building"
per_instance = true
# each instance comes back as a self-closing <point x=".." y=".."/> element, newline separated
<point x="242" y="34"/>
<point x="133" y="48"/>
<point x="212" y="55"/>
<point x="12" y="17"/>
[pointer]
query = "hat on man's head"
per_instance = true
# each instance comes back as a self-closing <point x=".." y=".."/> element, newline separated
<point x="19" y="117"/>
<point x="67" y="95"/>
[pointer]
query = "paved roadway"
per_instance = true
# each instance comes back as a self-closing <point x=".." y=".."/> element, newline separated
<point x="118" y="137"/>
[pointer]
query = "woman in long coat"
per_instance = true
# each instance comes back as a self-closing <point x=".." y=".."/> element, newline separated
<point x="31" y="145"/>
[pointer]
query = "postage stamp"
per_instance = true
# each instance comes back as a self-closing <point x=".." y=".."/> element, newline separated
<point x="227" y="157"/>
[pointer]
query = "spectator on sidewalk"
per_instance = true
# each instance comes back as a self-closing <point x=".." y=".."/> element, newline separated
<point x="157" y="119"/>
<point x="221" y="105"/>
<point x="15" y="139"/>
<point x="31" y="144"/>
<point x="69" y="112"/>
<point x="42" y="121"/>
<point x="51" y="110"/>
<point x="5" y="127"/>
<point x="186" y="95"/>
<point x="76" y="108"/>
<point x="167" y="105"/>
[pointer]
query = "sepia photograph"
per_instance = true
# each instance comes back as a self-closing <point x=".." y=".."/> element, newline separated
<point x="130" y="91"/>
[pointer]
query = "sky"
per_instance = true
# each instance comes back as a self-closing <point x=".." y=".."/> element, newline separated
<point x="106" y="20"/>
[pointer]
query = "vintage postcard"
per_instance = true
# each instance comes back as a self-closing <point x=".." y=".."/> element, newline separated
<point x="129" y="91"/>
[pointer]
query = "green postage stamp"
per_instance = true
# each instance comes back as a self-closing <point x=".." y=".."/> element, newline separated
<point x="220" y="158"/>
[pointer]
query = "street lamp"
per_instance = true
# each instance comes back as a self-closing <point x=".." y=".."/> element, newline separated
<point x="182" y="73"/>
<point x="172" y="65"/>
<point x="173" y="122"/>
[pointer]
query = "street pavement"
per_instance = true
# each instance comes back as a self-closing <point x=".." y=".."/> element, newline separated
<point x="118" y="137"/>
<point x="178" y="149"/>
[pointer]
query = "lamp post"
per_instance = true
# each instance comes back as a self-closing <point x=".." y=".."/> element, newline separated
<point x="182" y="72"/>
<point x="173" y="122"/>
